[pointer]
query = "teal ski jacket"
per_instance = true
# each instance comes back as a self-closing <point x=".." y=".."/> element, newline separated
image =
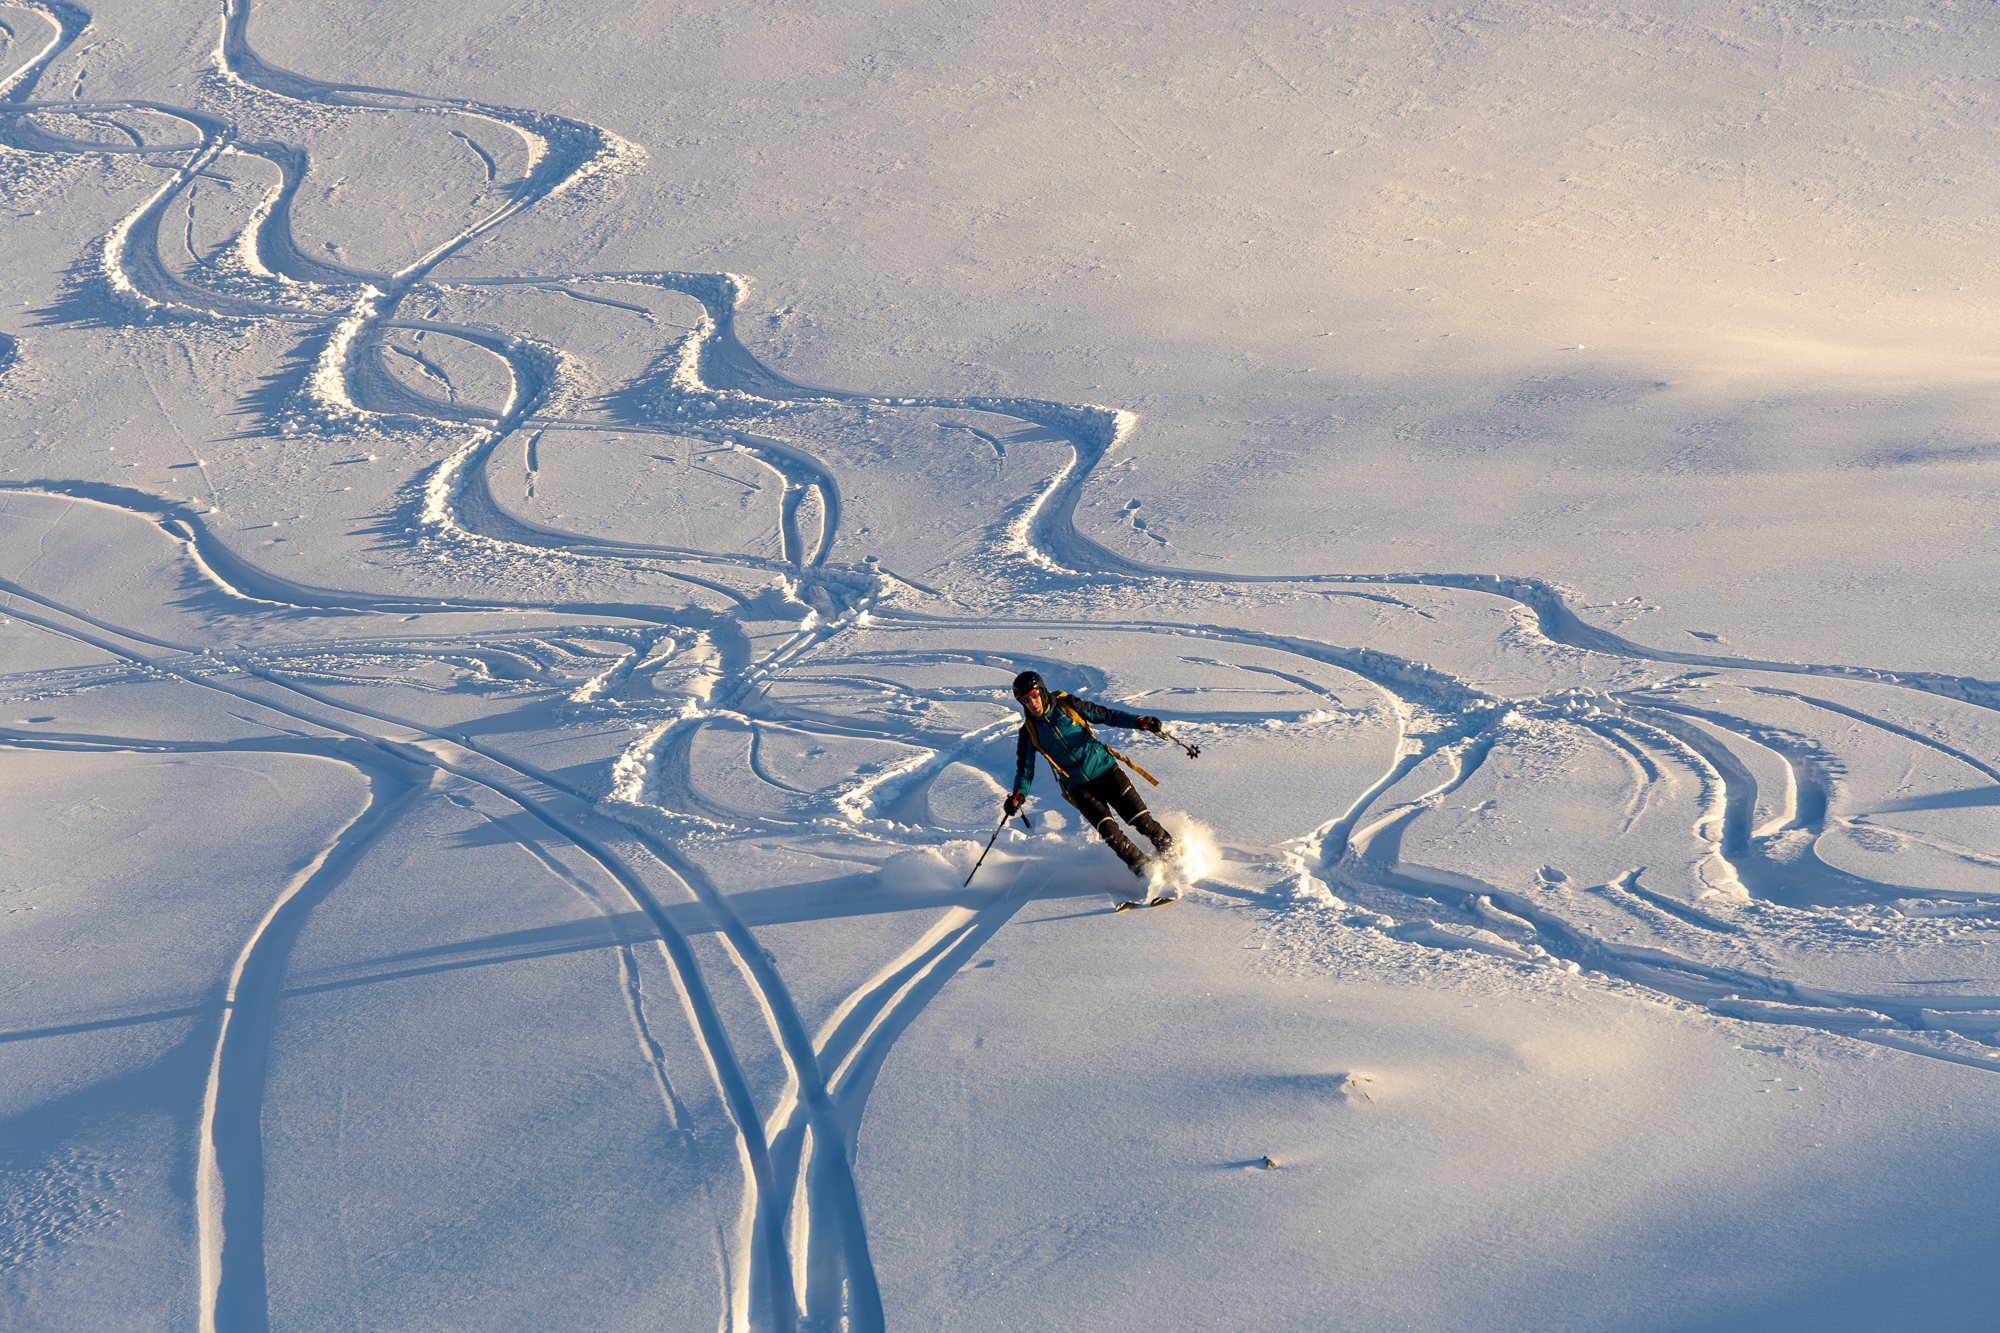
<point x="1078" y="756"/>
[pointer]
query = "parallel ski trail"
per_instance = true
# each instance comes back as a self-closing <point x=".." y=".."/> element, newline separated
<point x="242" y="1280"/>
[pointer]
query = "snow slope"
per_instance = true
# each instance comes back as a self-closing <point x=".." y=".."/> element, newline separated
<point x="516" y="525"/>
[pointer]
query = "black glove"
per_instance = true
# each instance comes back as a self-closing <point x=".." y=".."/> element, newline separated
<point x="1149" y="724"/>
<point x="1014" y="803"/>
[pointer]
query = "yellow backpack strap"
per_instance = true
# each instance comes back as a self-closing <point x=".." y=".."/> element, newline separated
<point x="1062" y="702"/>
<point x="1134" y="767"/>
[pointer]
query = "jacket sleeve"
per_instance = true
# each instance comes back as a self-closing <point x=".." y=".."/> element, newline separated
<point x="1096" y="712"/>
<point x="1024" y="763"/>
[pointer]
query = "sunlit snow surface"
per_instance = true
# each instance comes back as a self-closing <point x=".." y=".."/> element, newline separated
<point x="486" y="823"/>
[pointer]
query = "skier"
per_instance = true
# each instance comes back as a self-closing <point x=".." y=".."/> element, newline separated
<point x="1057" y="726"/>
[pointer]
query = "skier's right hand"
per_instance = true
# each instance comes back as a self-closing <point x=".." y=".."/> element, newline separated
<point x="1014" y="803"/>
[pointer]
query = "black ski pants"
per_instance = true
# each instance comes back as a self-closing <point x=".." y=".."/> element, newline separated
<point x="1100" y="796"/>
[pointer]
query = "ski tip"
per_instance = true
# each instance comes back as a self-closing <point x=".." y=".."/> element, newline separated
<point x="1126" y="907"/>
<point x="1162" y="901"/>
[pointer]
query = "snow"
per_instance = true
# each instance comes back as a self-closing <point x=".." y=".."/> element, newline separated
<point x="516" y="526"/>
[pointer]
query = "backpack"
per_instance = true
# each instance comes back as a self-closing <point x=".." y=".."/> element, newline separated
<point x="1061" y="700"/>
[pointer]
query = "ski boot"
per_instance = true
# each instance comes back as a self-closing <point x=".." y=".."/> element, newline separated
<point x="1156" y="832"/>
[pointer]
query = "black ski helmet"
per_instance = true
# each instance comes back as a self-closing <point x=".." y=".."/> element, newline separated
<point x="1028" y="681"/>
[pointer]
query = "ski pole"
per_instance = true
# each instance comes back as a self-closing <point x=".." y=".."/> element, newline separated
<point x="1025" y="823"/>
<point x="1004" y="817"/>
<point x="1193" y="751"/>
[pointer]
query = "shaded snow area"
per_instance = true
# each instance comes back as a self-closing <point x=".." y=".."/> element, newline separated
<point x="517" y="524"/>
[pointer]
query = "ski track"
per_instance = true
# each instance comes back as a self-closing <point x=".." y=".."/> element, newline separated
<point x="229" y="1175"/>
<point x="805" y="1260"/>
<point x="238" y="1286"/>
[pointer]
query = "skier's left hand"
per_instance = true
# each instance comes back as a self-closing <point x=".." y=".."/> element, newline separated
<point x="1149" y="724"/>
